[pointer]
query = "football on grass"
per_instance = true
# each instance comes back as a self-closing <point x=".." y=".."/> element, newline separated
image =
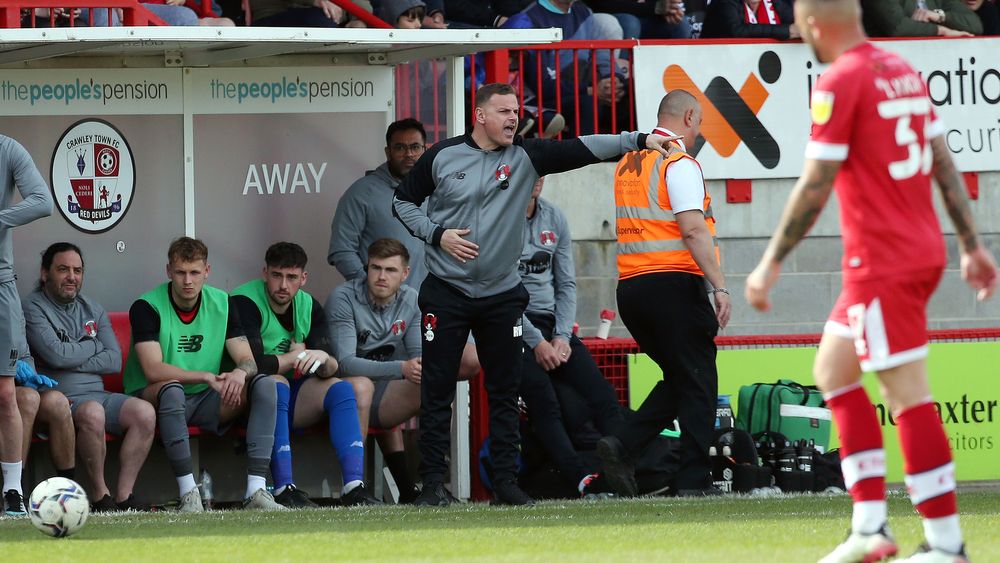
<point x="58" y="507"/>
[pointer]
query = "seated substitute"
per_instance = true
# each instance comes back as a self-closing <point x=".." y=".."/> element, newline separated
<point x="73" y="342"/>
<point x="375" y="324"/>
<point x="552" y="352"/>
<point x="180" y="330"/>
<point x="287" y="331"/>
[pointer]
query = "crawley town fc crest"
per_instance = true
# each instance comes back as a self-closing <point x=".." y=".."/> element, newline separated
<point x="93" y="175"/>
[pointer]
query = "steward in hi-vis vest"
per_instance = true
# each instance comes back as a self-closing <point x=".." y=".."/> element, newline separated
<point x="668" y="265"/>
<point x="649" y="238"/>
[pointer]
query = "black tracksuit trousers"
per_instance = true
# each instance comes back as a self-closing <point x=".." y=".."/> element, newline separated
<point x="447" y="316"/>
<point x="672" y="321"/>
<point x="544" y="410"/>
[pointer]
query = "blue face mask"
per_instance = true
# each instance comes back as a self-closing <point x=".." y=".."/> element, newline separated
<point x="550" y="7"/>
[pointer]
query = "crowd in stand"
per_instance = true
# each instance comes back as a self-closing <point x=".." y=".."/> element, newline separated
<point x="546" y="97"/>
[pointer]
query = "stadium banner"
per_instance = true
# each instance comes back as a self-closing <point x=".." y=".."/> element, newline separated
<point x="291" y="89"/>
<point x="964" y="379"/>
<point x="121" y="91"/>
<point x="756" y="97"/>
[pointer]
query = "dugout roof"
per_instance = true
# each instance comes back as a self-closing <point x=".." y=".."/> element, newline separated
<point x="151" y="47"/>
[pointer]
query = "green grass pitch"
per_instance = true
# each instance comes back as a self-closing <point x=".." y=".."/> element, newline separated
<point x="728" y="529"/>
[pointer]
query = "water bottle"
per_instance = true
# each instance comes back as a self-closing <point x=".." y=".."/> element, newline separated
<point x="723" y="412"/>
<point x="805" y="455"/>
<point x="787" y="460"/>
<point x="206" y="489"/>
<point x="604" y="329"/>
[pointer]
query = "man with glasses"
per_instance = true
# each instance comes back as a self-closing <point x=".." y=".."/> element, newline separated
<point x="364" y="213"/>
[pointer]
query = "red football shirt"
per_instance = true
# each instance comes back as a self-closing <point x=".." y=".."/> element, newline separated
<point x="871" y="111"/>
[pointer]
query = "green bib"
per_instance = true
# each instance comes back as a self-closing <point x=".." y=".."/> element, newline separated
<point x="275" y="337"/>
<point x="194" y="346"/>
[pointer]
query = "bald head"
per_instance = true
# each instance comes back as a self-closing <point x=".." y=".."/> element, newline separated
<point x="830" y="27"/>
<point x="830" y="10"/>
<point x="675" y="104"/>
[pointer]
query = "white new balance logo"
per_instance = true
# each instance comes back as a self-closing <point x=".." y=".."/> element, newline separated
<point x="517" y="331"/>
<point x="357" y="444"/>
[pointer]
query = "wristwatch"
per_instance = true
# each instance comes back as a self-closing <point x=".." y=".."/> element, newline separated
<point x="940" y="14"/>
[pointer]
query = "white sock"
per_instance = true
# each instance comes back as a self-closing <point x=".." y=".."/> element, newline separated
<point x="351" y="485"/>
<point x="11" y="476"/>
<point x="254" y="484"/>
<point x="186" y="484"/>
<point x="944" y="533"/>
<point x="869" y="516"/>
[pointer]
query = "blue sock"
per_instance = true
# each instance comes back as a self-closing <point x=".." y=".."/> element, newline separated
<point x="281" y="453"/>
<point x="345" y="431"/>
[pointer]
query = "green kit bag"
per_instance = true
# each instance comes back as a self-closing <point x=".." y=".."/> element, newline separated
<point x="785" y="407"/>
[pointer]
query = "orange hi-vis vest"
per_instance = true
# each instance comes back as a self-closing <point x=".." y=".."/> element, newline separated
<point x="649" y="238"/>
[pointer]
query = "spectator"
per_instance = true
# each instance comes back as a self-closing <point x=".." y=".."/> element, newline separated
<point x="296" y="13"/>
<point x="579" y="23"/>
<point x="18" y="173"/>
<point x="286" y="328"/>
<point x="647" y="19"/>
<point x="375" y="323"/>
<point x="477" y="13"/>
<point x="47" y="410"/>
<point x="552" y="352"/>
<point x="180" y="331"/>
<point x="172" y="12"/>
<point x="75" y="344"/>
<point x="402" y="14"/>
<point x="988" y="14"/>
<point x="772" y="19"/>
<point x="919" y="18"/>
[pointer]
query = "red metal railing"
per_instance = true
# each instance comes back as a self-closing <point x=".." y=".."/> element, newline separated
<point x="133" y="13"/>
<point x="574" y="97"/>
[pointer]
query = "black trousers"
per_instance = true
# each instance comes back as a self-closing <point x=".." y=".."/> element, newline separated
<point x="447" y="317"/>
<point x="544" y="411"/>
<point x="672" y="321"/>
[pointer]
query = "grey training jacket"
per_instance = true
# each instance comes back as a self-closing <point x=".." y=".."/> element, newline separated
<point x="17" y="170"/>
<point x="372" y="341"/>
<point x="547" y="272"/>
<point x="487" y="192"/>
<point x="73" y="343"/>
<point x="364" y="215"/>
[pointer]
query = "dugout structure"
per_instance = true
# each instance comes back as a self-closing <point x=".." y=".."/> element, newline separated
<point x="239" y="136"/>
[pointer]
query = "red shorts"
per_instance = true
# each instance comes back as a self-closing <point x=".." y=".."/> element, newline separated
<point x="886" y="318"/>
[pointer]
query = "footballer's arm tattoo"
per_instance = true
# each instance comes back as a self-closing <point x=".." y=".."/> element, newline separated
<point x="807" y="200"/>
<point x="953" y="194"/>
<point x="249" y="366"/>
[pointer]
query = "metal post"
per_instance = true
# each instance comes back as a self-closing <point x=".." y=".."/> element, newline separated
<point x="460" y="478"/>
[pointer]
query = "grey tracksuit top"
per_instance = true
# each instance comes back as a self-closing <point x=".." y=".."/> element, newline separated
<point x="17" y="170"/>
<point x="364" y="215"/>
<point x="73" y="344"/>
<point x="372" y="341"/>
<point x="487" y="192"/>
<point x="547" y="272"/>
